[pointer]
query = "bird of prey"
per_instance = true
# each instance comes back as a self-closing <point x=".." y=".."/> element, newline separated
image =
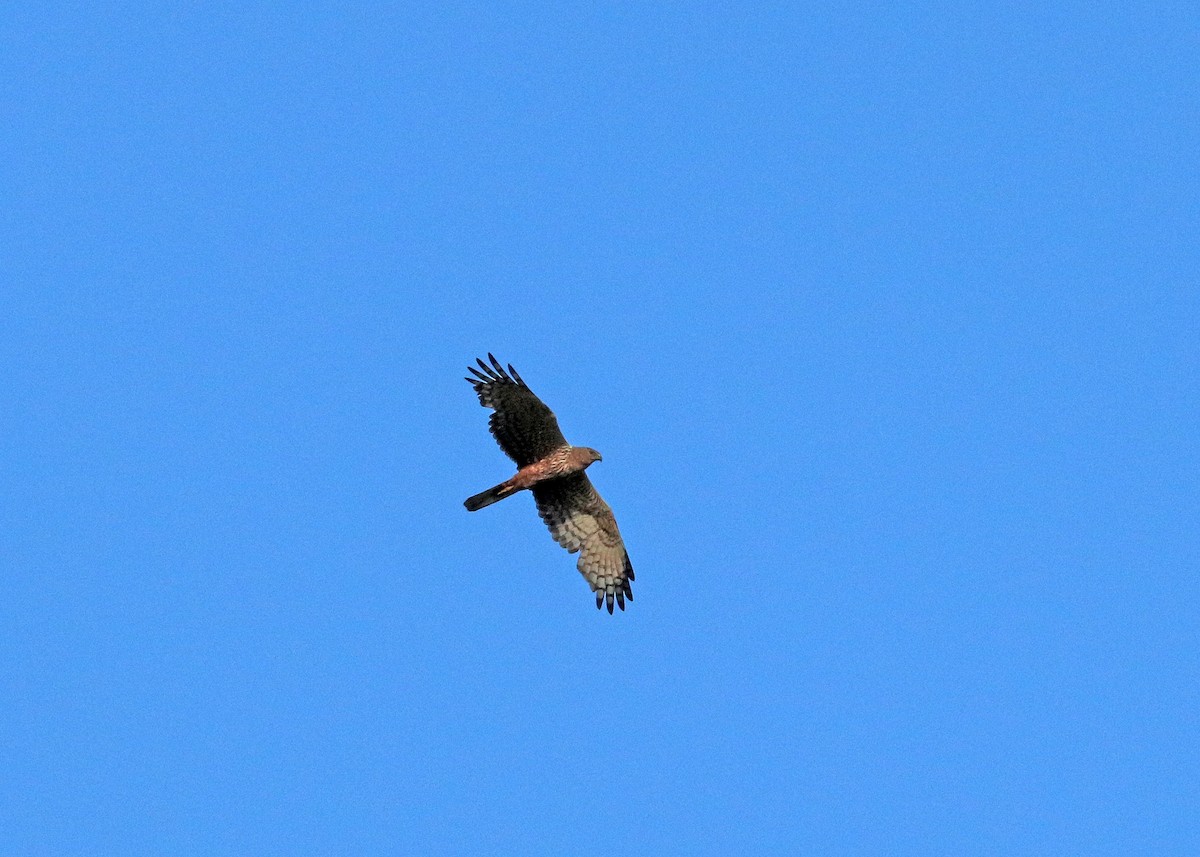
<point x="552" y="469"/>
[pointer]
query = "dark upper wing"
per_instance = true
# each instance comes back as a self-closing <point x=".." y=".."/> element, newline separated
<point x="522" y="424"/>
<point x="580" y="520"/>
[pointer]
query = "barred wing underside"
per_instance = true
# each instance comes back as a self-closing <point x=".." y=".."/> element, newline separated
<point x="580" y="520"/>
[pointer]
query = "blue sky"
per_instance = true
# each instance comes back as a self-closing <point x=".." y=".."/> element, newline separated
<point x="885" y="320"/>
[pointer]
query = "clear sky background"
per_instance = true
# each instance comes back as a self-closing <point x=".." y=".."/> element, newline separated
<point x="887" y="322"/>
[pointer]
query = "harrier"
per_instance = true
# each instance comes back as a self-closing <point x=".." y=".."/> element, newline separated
<point x="552" y="469"/>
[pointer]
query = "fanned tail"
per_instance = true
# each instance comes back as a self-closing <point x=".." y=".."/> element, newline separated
<point x="488" y="497"/>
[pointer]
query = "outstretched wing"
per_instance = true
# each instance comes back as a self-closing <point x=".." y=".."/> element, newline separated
<point x="524" y="427"/>
<point x="580" y="520"/>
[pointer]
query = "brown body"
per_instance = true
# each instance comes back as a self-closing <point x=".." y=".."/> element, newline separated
<point x="561" y="462"/>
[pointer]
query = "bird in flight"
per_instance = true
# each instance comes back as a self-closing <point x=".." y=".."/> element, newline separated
<point x="552" y="469"/>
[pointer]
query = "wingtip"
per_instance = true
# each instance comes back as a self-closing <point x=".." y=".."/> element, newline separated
<point x="496" y="371"/>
